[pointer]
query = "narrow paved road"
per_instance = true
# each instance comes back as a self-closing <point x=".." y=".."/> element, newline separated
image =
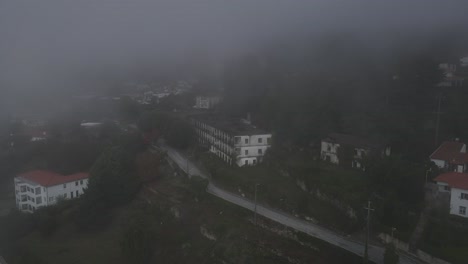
<point x="356" y="247"/>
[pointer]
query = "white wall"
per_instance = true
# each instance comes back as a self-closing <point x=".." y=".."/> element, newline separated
<point x="439" y="163"/>
<point x="456" y="202"/>
<point x="330" y="150"/>
<point x="32" y="201"/>
<point x="55" y="192"/>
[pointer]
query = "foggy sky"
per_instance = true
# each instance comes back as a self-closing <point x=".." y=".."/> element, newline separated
<point x="49" y="48"/>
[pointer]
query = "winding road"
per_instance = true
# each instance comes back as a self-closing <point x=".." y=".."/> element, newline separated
<point x="375" y="252"/>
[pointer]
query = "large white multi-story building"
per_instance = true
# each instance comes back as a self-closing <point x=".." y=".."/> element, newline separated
<point x="38" y="188"/>
<point x="233" y="141"/>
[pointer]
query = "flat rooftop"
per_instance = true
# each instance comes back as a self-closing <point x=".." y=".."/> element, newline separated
<point x="232" y="126"/>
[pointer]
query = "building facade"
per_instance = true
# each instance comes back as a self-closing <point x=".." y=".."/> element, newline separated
<point x="353" y="149"/>
<point x="451" y="156"/>
<point x="456" y="184"/>
<point x="206" y="102"/>
<point x="234" y="142"/>
<point x="35" y="189"/>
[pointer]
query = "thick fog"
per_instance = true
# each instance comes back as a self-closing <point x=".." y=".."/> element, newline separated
<point x="49" y="49"/>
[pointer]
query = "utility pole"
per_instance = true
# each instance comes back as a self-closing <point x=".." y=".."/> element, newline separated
<point x="437" y="120"/>
<point x="255" y="207"/>
<point x="366" y="249"/>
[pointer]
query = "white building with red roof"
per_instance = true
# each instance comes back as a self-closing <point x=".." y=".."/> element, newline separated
<point x="451" y="155"/>
<point x="456" y="184"/>
<point x="38" y="188"/>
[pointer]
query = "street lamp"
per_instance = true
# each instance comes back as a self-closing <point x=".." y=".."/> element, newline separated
<point x="255" y="207"/>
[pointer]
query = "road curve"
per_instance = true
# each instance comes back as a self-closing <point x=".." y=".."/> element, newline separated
<point x="375" y="252"/>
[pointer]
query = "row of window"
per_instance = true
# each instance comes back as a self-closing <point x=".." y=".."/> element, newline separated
<point x="259" y="140"/>
<point x="25" y="188"/>
<point x="25" y="198"/>
<point x="76" y="183"/>
<point x="246" y="151"/>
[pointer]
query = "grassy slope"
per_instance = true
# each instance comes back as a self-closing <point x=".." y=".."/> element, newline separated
<point x="280" y="189"/>
<point x="238" y="241"/>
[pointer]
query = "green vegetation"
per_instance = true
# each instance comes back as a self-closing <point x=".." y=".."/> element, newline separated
<point x="446" y="237"/>
<point x="280" y="190"/>
<point x="390" y="255"/>
<point x="172" y="225"/>
<point x="175" y="128"/>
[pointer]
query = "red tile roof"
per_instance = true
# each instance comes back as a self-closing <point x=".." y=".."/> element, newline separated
<point x="48" y="178"/>
<point x="454" y="179"/>
<point x="459" y="159"/>
<point x="447" y="151"/>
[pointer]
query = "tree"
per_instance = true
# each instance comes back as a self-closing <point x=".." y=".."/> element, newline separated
<point x="390" y="255"/>
<point x="138" y="241"/>
<point x="113" y="181"/>
<point x="148" y="164"/>
<point x="180" y="134"/>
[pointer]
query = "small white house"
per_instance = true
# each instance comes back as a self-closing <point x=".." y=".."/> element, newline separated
<point x="38" y="188"/>
<point x="456" y="184"/>
<point x="451" y="155"/>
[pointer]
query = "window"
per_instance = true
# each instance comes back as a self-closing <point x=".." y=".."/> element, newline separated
<point x="260" y="151"/>
<point x="254" y="161"/>
<point x="24" y="198"/>
<point x="23" y="188"/>
<point x="81" y="182"/>
<point x="328" y="148"/>
<point x="464" y="196"/>
<point x="24" y="207"/>
<point x="38" y="200"/>
<point x="32" y="199"/>
<point x="76" y="183"/>
<point x="71" y="195"/>
<point x="246" y="152"/>
<point x="38" y="190"/>
<point x="64" y="185"/>
<point x="246" y="141"/>
<point x="260" y="140"/>
<point x="76" y="193"/>
<point x="246" y="162"/>
<point x="356" y="152"/>
<point x="462" y="210"/>
<point x="447" y="188"/>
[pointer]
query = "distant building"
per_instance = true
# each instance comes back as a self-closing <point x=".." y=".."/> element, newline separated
<point x="451" y="156"/>
<point x="464" y="61"/>
<point x="38" y="188"/>
<point x="353" y="149"/>
<point x="452" y="78"/>
<point x="206" y="102"/>
<point x="456" y="185"/>
<point x="234" y="141"/>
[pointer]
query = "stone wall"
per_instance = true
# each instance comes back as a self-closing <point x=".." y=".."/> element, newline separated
<point x="403" y="246"/>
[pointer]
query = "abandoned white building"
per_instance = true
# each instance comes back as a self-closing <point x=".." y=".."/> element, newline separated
<point x="354" y="149"/>
<point x="234" y="141"/>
